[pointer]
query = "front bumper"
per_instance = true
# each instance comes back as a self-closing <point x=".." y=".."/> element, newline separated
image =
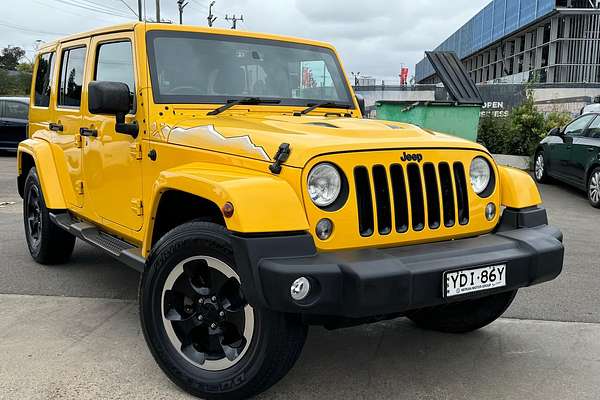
<point x="373" y="282"/>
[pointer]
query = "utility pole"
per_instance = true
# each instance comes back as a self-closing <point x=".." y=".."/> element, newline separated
<point x="234" y="20"/>
<point x="211" y="18"/>
<point x="157" y="10"/>
<point x="181" y="6"/>
<point x="140" y="10"/>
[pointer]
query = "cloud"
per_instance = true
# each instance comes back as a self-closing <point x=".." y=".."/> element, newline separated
<point x="373" y="37"/>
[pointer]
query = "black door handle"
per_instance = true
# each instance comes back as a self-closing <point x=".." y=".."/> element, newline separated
<point x="88" y="132"/>
<point x="55" y="127"/>
<point x="591" y="149"/>
<point x="569" y="147"/>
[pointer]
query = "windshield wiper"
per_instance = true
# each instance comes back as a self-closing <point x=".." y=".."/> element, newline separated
<point x="245" y="100"/>
<point x="323" y="104"/>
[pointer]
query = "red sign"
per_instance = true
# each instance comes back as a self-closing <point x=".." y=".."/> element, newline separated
<point x="404" y="75"/>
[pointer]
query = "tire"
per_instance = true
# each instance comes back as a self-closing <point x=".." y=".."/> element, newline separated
<point x="540" y="171"/>
<point x="593" y="188"/>
<point x="178" y="294"/>
<point x="465" y="316"/>
<point x="48" y="244"/>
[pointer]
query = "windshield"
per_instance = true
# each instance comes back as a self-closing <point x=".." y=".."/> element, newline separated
<point x="189" y="67"/>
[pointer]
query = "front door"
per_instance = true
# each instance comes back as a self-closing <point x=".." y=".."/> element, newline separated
<point x="112" y="161"/>
<point x="585" y="151"/>
<point x="572" y="136"/>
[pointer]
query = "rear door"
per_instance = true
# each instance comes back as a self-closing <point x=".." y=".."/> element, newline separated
<point x="15" y="117"/>
<point x="66" y="119"/>
<point x="112" y="161"/>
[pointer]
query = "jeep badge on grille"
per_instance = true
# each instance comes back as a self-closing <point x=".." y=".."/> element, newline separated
<point x="418" y="157"/>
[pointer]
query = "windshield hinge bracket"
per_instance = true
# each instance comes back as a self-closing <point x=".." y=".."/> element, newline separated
<point x="283" y="153"/>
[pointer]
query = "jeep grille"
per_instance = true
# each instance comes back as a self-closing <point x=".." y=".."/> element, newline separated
<point x="410" y="197"/>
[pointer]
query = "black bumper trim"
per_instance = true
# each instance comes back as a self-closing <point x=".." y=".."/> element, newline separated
<point x="365" y="283"/>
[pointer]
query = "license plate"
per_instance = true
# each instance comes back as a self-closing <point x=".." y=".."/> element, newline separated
<point x="467" y="281"/>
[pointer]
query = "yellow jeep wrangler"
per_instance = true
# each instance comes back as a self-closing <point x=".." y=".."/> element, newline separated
<point x="235" y="172"/>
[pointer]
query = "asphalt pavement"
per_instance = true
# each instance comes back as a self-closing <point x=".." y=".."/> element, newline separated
<point x="73" y="332"/>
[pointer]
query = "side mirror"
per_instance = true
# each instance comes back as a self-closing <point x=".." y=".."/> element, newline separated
<point x="361" y="104"/>
<point x="554" y="132"/>
<point x="112" y="98"/>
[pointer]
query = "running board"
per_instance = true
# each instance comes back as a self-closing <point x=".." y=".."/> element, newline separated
<point x="119" y="249"/>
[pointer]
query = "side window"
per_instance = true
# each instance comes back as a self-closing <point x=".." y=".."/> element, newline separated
<point x="16" y="110"/>
<point x="71" y="77"/>
<point x="577" y="127"/>
<point x="114" y="63"/>
<point x="43" y="80"/>
<point x="594" y="129"/>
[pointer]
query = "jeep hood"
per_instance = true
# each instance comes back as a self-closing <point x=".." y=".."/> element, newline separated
<point x="259" y="137"/>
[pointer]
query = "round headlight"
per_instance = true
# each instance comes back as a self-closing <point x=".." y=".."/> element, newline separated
<point x="481" y="174"/>
<point x="324" y="184"/>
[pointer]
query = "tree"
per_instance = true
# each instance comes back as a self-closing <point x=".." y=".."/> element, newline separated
<point x="25" y="67"/>
<point x="10" y="56"/>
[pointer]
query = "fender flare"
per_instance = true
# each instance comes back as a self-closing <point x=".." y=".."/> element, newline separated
<point x="517" y="189"/>
<point x="262" y="203"/>
<point x="41" y="153"/>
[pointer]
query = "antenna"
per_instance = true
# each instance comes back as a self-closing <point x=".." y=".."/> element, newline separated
<point x="234" y="20"/>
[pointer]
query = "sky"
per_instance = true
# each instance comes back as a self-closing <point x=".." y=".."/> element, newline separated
<point x="374" y="37"/>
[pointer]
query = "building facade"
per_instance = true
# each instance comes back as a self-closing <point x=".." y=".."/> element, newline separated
<point x="517" y="41"/>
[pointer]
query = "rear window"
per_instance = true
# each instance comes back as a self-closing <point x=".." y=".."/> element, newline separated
<point x="43" y="80"/>
<point x="15" y="110"/>
<point x="71" y="77"/>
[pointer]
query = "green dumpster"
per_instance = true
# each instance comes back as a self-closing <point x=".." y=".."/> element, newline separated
<point x="460" y="120"/>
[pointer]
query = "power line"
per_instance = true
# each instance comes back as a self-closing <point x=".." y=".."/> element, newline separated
<point x="93" y="8"/>
<point x="72" y="12"/>
<point x="98" y="6"/>
<point x="25" y="29"/>
<point x="132" y="10"/>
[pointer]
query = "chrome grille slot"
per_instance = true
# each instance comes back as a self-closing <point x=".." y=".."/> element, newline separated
<point x="412" y="197"/>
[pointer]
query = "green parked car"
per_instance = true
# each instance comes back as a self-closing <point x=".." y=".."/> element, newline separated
<point x="572" y="155"/>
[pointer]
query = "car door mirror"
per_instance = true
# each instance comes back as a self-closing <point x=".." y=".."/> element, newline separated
<point x="361" y="104"/>
<point x="555" y="132"/>
<point x="112" y="98"/>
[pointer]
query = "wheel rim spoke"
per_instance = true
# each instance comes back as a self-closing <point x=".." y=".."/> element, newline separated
<point x="175" y="306"/>
<point x="195" y="355"/>
<point x="230" y="296"/>
<point x="199" y="277"/>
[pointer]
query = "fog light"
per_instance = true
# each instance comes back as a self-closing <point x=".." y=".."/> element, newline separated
<point x="324" y="229"/>
<point x="300" y="289"/>
<point x="490" y="211"/>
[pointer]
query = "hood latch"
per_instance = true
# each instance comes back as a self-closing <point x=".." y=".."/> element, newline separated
<point x="283" y="153"/>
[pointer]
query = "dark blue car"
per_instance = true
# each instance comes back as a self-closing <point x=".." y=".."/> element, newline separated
<point x="14" y="117"/>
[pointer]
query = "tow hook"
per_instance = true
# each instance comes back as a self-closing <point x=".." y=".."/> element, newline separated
<point x="283" y="153"/>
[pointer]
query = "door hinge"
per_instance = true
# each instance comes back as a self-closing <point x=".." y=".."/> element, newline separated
<point x="78" y="141"/>
<point x="135" y="150"/>
<point x="137" y="207"/>
<point x="79" y="187"/>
